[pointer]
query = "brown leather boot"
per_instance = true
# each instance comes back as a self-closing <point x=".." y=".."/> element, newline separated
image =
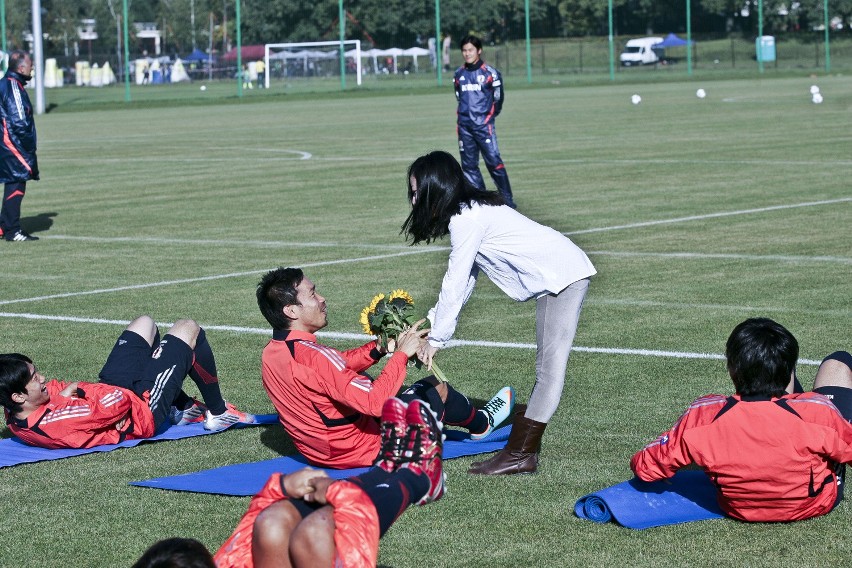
<point x="521" y="452"/>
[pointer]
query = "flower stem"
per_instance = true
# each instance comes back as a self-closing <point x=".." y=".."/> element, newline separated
<point x="436" y="370"/>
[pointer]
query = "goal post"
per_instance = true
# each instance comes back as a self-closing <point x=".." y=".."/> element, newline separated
<point x="306" y="52"/>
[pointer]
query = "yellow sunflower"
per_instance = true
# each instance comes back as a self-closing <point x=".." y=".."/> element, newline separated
<point x="368" y="311"/>
<point x="400" y="293"/>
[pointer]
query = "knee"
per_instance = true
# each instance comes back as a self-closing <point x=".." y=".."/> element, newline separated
<point x="312" y="541"/>
<point x="186" y="330"/>
<point x="145" y="327"/>
<point x="835" y="370"/>
<point x="272" y="529"/>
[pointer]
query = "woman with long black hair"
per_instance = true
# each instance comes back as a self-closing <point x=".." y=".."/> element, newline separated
<point x="524" y="259"/>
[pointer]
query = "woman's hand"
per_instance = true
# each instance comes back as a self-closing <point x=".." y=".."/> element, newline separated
<point x="426" y="353"/>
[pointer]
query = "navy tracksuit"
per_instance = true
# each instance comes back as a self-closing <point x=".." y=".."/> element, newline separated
<point x="479" y="90"/>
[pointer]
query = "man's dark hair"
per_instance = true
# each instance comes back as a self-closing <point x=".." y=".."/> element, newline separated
<point x="441" y="191"/>
<point x="761" y="356"/>
<point x="16" y="58"/>
<point x="472" y="40"/>
<point x="277" y="290"/>
<point x="176" y="553"/>
<point x="14" y="376"/>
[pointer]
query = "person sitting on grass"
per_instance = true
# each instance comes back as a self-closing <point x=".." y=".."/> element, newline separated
<point x="139" y="393"/>
<point x="307" y="519"/>
<point x="324" y="401"/>
<point x="774" y="452"/>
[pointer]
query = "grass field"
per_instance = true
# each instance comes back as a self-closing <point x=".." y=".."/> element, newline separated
<point x="697" y="214"/>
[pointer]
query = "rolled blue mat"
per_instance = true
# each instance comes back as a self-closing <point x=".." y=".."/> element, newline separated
<point x="635" y="504"/>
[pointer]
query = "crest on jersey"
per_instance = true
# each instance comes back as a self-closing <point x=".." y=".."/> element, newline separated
<point x="480" y="78"/>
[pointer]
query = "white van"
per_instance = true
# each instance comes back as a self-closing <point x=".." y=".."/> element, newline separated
<point x="640" y="51"/>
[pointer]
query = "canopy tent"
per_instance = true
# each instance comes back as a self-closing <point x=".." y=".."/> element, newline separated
<point x="248" y="52"/>
<point x="196" y="56"/>
<point x="672" y="40"/>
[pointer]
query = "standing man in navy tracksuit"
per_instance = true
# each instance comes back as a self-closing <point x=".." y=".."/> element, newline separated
<point x="479" y="90"/>
<point x="18" y="162"/>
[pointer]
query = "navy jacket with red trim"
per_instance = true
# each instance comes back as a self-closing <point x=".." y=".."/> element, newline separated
<point x="479" y="91"/>
<point x="18" y="160"/>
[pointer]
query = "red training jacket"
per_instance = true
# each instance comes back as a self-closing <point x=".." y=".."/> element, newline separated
<point x="771" y="460"/>
<point x="85" y="420"/>
<point x="329" y="409"/>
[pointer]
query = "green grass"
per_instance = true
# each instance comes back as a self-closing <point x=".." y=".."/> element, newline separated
<point x="213" y="195"/>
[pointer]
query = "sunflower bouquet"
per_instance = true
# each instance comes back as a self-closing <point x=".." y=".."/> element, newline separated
<point x="387" y="317"/>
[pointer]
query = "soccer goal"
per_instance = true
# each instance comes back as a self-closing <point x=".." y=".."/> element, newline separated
<point x="309" y="59"/>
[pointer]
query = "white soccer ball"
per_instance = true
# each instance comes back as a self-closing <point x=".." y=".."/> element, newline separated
<point x="814" y="89"/>
<point x="636" y="99"/>
<point x="700" y="93"/>
<point x="203" y="87"/>
<point x="817" y="98"/>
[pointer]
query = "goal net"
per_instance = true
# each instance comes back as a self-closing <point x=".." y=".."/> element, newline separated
<point x="311" y="59"/>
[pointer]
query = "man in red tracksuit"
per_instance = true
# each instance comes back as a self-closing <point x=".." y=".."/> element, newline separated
<point x="139" y="394"/>
<point x="306" y="519"/>
<point x="324" y="401"/>
<point x="774" y="452"/>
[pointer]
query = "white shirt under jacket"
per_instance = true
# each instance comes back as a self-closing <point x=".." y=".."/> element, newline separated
<point x="523" y="258"/>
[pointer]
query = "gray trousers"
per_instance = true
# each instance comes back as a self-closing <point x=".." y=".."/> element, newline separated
<point x="556" y="318"/>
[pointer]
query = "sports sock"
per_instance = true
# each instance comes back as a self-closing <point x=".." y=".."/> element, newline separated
<point x="391" y="493"/>
<point x="458" y="411"/>
<point x="203" y="374"/>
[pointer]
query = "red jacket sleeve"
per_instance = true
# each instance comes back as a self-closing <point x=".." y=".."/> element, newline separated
<point x="360" y="358"/>
<point x="357" y="391"/>
<point x="664" y="456"/>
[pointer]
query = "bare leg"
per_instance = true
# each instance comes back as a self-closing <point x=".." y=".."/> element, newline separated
<point x="144" y="327"/>
<point x="833" y="373"/>
<point x="271" y="535"/>
<point x="312" y="541"/>
<point x="186" y="330"/>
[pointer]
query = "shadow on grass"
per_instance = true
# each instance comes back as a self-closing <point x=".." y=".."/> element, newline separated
<point x="38" y="223"/>
<point x="276" y="439"/>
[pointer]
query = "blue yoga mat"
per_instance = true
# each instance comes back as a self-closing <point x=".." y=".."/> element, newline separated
<point x="14" y="452"/>
<point x="248" y="478"/>
<point x="635" y="504"/>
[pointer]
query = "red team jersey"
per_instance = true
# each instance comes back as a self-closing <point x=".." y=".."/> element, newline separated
<point x="771" y="460"/>
<point x="356" y="526"/>
<point x="329" y="409"/>
<point x="87" y="420"/>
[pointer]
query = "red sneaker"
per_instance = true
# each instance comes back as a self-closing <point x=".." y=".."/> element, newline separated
<point x="424" y="446"/>
<point x="394" y="428"/>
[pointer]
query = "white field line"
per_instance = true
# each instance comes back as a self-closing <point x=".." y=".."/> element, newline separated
<point x="362" y="337"/>
<point x="230" y="242"/>
<point x="433" y="248"/>
<point x="206" y="278"/>
<point x="709" y="216"/>
<point x="726" y="256"/>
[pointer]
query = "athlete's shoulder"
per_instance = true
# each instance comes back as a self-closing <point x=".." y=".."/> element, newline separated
<point x="319" y="353"/>
<point x="709" y="400"/>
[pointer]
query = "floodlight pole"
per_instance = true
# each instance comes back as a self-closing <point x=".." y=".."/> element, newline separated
<point x="239" y="51"/>
<point x="38" y="57"/>
<point x="439" y="63"/>
<point x="340" y="16"/>
<point x="760" y="35"/>
<point x="827" y="48"/>
<point x="3" y="24"/>
<point x="529" y="48"/>
<point x="126" y="53"/>
<point x="611" y="44"/>
<point x="688" y="38"/>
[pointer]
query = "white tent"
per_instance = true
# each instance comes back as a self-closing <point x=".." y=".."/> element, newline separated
<point x="414" y="52"/>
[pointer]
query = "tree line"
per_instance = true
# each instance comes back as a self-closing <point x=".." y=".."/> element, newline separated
<point x="202" y="24"/>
